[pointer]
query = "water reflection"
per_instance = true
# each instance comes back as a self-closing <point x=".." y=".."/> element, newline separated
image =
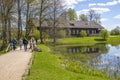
<point x="104" y="57"/>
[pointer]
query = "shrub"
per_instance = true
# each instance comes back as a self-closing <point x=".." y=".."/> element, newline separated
<point x="61" y="34"/>
<point x="104" y="34"/>
<point x="83" y="33"/>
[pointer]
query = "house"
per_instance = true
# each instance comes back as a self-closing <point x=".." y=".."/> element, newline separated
<point x="90" y="27"/>
<point x="72" y="28"/>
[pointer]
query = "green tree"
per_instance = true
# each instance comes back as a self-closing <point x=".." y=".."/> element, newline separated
<point x="104" y="34"/>
<point x="83" y="17"/>
<point x="72" y="14"/>
<point x="83" y="33"/>
<point x="115" y="31"/>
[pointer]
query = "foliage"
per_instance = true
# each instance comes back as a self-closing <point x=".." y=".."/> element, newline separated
<point x="45" y="36"/>
<point x="83" y="17"/>
<point x="115" y="31"/>
<point x="83" y="33"/>
<point x="36" y="34"/>
<point x="72" y="14"/>
<point x="104" y="34"/>
<point x="61" y="34"/>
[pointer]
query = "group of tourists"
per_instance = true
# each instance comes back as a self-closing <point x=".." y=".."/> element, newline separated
<point x="23" y="42"/>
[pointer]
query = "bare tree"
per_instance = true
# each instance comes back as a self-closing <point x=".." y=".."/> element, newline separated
<point x="56" y="9"/>
<point x="5" y="11"/>
<point x="93" y="16"/>
<point x="19" y="18"/>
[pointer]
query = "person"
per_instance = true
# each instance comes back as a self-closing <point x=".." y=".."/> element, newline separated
<point x="14" y="42"/>
<point x="20" y="42"/>
<point x="25" y="42"/>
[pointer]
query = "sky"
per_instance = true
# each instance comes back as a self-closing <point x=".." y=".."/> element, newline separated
<point x="108" y="9"/>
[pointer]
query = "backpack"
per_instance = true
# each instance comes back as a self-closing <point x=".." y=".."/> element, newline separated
<point x="14" y="42"/>
<point x="25" y="41"/>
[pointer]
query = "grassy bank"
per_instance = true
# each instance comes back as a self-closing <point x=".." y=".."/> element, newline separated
<point x="87" y="40"/>
<point x="48" y="66"/>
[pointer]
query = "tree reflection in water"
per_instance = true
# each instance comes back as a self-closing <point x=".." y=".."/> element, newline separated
<point x="103" y="56"/>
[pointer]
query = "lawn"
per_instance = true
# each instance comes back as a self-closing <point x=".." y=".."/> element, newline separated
<point x="86" y="40"/>
<point x="47" y="66"/>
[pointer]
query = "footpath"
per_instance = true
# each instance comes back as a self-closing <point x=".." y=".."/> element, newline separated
<point x="14" y="64"/>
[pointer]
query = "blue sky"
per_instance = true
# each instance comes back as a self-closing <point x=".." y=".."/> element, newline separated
<point x="109" y="10"/>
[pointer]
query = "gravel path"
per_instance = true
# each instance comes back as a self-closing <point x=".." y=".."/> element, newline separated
<point x="14" y="64"/>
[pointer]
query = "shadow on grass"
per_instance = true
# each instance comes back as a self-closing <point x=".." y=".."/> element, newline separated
<point x="100" y="39"/>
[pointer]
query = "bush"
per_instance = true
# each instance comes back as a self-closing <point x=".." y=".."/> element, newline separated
<point x="61" y="34"/>
<point x="104" y="34"/>
<point x="83" y="33"/>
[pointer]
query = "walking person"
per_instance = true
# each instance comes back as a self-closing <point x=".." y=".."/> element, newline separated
<point x="14" y="42"/>
<point x="20" y="43"/>
<point x="25" y="42"/>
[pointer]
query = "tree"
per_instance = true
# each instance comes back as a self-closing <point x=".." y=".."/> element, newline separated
<point x="61" y="34"/>
<point x="55" y="10"/>
<point x="83" y="33"/>
<point x="19" y="18"/>
<point x="72" y="14"/>
<point x="44" y="4"/>
<point x="83" y="17"/>
<point x="104" y="34"/>
<point x="93" y="16"/>
<point x="115" y="31"/>
<point x="97" y="18"/>
<point x="5" y="12"/>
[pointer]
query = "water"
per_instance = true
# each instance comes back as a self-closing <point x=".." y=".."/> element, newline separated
<point x="104" y="57"/>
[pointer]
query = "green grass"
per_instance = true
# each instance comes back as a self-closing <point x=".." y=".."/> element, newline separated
<point x="113" y="40"/>
<point x="86" y="40"/>
<point x="47" y="66"/>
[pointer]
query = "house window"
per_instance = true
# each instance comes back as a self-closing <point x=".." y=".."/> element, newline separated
<point x="72" y="24"/>
<point x="73" y="31"/>
<point x="88" y="32"/>
<point x="77" y="31"/>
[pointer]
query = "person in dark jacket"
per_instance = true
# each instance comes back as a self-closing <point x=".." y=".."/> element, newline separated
<point x="25" y="42"/>
<point x="14" y="42"/>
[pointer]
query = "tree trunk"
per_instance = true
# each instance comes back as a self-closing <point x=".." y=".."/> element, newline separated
<point x="27" y="19"/>
<point x="9" y="30"/>
<point x="40" y="22"/>
<point x="19" y="20"/>
<point x="54" y="23"/>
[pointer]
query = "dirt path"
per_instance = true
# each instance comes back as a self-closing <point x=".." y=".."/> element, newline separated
<point x="14" y="64"/>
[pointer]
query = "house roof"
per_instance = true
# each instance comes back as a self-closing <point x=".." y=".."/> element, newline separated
<point x="70" y="24"/>
<point x="83" y="24"/>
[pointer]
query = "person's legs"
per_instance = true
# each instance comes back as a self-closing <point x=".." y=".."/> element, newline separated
<point x="13" y="47"/>
<point x="24" y="47"/>
<point x="20" y="47"/>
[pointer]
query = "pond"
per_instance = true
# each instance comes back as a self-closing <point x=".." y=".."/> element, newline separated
<point x="104" y="57"/>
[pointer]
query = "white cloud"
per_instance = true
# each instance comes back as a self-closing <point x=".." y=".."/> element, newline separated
<point x="117" y="17"/>
<point x="92" y="4"/>
<point x="114" y="2"/>
<point x="71" y="3"/>
<point x="101" y="10"/>
<point x="97" y="10"/>
<point x="104" y="19"/>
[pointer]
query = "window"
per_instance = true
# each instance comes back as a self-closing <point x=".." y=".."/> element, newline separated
<point x="72" y="24"/>
<point x="77" y="31"/>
